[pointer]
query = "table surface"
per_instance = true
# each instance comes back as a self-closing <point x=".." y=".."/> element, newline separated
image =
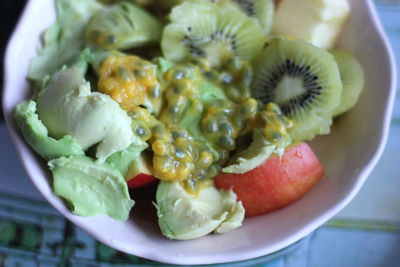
<point x="365" y="233"/>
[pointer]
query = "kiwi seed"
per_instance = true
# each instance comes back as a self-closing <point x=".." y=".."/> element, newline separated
<point x="303" y="80"/>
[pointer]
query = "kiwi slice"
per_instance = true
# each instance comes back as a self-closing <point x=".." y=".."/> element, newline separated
<point x="261" y="10"/>
<point x="303" y="80"/>
<point x="206" y="30"/>
<point x="352" y="77"/>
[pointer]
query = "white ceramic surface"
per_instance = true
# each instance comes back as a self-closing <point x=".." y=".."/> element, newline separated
<point x="348" y="154"/>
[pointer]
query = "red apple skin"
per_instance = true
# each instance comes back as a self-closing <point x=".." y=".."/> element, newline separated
<point x="139" y="173"/>
<point x="142" y="179"/>
<point x="276" y="183"/>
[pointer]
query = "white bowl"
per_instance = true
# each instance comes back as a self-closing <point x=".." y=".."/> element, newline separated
<point x="348" y="154"/>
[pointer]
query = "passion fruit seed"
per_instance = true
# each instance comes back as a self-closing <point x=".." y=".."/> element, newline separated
<point x="155" y="91"/>
<point x="159" y="147"/>
<point x="225" y="78"/>
<point x="234" y="76"/>
<point x="176" y="155"/>
<point x="128" y="84"/>
<point x="158" y="131"/>
<point x="162" y="163"/>
<point x="123" y="73"/>
<point x="176" y="133"/>
<point x="227" y="143"/>
<point x="179" y="72"/>
<point x="212" y="76"/>
<point x="205" y="159"/>
<point x="211" y="126"/>
<point x="226" y="128"/>
<point x="248" y="107"/>
<point x="233" y="64"/>
<point x="142" y="132"/>
<point x="276" y="125"/>
<point x="139" y="73"/>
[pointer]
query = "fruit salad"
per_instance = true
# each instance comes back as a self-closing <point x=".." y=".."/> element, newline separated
<point x="209" y="103"/>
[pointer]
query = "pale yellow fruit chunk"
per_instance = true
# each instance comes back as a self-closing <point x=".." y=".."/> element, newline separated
<point x="316" y="21"/>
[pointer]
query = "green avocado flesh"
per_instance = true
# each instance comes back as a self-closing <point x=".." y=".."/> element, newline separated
<point x="91" y="188"/>
<point x="64" y="40"/>
<point x="208" y="93"/>
<point x="67" y="106"/>
<point x="184" y="216"/>
<point x="248" y="159"/>
<point x="122" y="26"/>
<point x="36" y="134"/>
<point x="123" y="160"/>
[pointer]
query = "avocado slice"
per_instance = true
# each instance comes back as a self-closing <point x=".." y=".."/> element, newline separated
<point x="63" y="40"/>
<point x="123" y="160"/>
<point x="36" y="134"/>
<point x="67" y="106"/>
<point x="258" y="152"/>
<point x="269" y="137"/>
<point x="185" y="216"/>
<point x="91" y="188"/>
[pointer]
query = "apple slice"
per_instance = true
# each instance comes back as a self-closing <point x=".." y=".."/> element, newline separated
<point x="142" y="179"/>
<point x="139" y="174"/>
<point x="277" y="182"/>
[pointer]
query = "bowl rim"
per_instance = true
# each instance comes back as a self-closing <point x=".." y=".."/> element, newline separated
<point x="301" y="233"/>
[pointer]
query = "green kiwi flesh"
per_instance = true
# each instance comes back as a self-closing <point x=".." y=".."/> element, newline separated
<point x="206" y="30"/>
<point x="352" y="77"/>
<point x="261" y="10"/>
<point x="303" y="80"/>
